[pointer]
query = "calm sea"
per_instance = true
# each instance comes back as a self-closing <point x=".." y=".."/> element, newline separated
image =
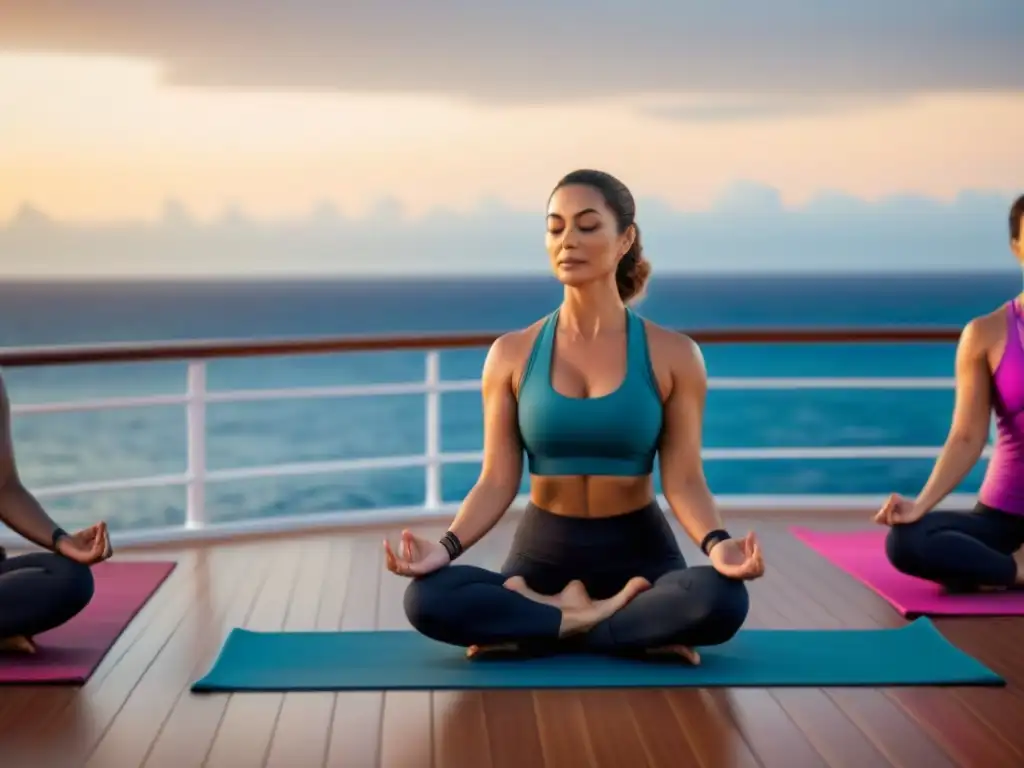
<point x="82" y="447"/>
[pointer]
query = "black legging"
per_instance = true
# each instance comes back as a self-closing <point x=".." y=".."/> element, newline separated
<point x="962" y="551"/>
<point x="466" y="605"/>
<point x="41" y="591"/>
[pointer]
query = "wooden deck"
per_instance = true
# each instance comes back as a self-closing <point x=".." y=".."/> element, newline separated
<point x="136" y="710"/>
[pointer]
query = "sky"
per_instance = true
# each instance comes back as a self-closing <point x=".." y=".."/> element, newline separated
<point x="250" y="137"/>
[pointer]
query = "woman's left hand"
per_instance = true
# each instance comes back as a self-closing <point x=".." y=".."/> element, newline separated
<point x="738" y="558"/>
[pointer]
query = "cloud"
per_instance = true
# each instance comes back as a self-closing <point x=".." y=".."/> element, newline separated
<point x="748" y="229"/>
<point x="555" y="50"/>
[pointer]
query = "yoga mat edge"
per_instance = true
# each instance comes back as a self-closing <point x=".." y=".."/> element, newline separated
<point x="807" y="537"/>
<point x="70" y="654"/>
<point x="860" y="554"/>
<point x="916" y="654"/>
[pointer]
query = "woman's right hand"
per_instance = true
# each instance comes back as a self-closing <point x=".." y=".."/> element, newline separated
<point x="898" y="510"/>
<point x="89" y="546"/>
<point x="417" y="556"/>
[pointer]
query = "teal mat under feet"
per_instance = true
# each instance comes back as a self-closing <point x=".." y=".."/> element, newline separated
<point x="916" y="654"/>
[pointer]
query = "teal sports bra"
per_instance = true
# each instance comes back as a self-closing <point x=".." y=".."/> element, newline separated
<point x="616" y="434"/>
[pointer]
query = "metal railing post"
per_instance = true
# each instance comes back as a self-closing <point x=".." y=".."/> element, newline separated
<point x="195" y="414"/>
<point x="433" y="430"/>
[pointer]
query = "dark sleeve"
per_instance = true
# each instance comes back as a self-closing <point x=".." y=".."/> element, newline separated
<point x="19" y="509"/>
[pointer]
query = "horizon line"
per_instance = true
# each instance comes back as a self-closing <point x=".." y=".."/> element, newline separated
<point x="407" y="277"/>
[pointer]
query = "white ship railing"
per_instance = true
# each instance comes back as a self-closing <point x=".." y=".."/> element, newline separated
<point x="197" y="397"/>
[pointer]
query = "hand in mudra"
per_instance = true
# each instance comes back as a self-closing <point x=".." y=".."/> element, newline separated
<point x="898" y="510"/>
<point x="416" y="556"/>
<point x="88" y="547"/>
<point x="738" y="558"/>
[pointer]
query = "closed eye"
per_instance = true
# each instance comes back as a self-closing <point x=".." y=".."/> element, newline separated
<point x="587" y="216"/>
<point x="589" y="228"/>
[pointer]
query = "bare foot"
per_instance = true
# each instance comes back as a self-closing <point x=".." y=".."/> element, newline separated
<point x="17" y="644"/>
<point x="574" y="596"/>
<point x="518" y="584"/>
<point x="579" y="611"/>
<point x="686" y="653"/>
<point x="476" y="651"/>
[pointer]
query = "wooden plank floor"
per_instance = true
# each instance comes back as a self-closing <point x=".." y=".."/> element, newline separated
<point x="137" y="711"/>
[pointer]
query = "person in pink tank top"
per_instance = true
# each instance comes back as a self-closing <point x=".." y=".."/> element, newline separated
<point x="984" y="548"/>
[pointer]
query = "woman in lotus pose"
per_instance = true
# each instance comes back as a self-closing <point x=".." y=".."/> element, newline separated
<point x="981" y="549"/>
<point x="591" y="393"/>
<point x="40" y="590"/>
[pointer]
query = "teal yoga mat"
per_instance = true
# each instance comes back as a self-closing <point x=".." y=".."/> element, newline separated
<point x="916" y="654"/>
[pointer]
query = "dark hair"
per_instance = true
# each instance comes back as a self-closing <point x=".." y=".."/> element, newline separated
<point x="633" y="270"/>
<point x="1016" y="213"/>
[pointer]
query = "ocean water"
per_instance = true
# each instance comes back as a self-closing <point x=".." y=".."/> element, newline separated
<point x="81" y="447"/>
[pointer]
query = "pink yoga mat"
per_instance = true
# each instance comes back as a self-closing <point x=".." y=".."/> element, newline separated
<point x="862" y="555"/>
<point x="71" y="653"/>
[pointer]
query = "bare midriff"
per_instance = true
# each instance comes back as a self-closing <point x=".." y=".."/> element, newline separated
<point x="591" y="496"/>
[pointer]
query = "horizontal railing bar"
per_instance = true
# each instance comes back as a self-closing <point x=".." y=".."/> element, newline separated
<point x="244" y="395"/>
<point x="310" y="393"/>
<point x="225" y="348"/>
<point x="801" y="382"/>
<point x="99" y="404"/>
<point x="830" y="453"/>
<point x="296" y="469"/>
<point x="208" y="349"/>
<point x="471" y="457"/>
<point x="462" y="385"/>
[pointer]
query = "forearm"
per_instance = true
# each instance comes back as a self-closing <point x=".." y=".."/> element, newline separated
<point x="482" y="508"/>
<point x="958" y="457"/>
<point x="22" y="513"/>
<point x="694" y="507"/>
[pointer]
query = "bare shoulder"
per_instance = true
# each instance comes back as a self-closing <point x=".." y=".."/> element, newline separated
<point x="672" y="353"/>
<point x="985" y="332"/>
<point x="507" y="356"/>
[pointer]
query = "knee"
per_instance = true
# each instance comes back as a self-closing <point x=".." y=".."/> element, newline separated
<point x="77" y="585"/>
<point x="902" y="544"/>
<point x="716" y="604"/>
<point x="728" y="606"/>
<point x="427" y="602"/>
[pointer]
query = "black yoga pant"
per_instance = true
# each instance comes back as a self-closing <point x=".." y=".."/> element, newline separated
<point x="960" y="550"/>
<point x="41" y="591"/>
<point x="693" y="606"/>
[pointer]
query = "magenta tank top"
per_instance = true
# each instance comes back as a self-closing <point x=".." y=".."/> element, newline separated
<point x="1003" y="487"/>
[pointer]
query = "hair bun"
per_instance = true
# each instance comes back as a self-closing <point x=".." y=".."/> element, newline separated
<point x="633" y="271"/>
